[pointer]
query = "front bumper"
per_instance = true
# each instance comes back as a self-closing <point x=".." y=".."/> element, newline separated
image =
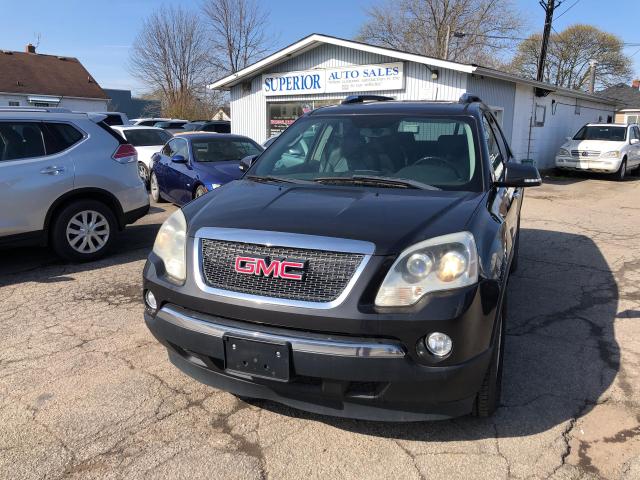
<point x="591" y="164"/>
<point x="338" y="375"/>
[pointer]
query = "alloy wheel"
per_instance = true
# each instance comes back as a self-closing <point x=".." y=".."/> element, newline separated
<point x="88" y="231"/>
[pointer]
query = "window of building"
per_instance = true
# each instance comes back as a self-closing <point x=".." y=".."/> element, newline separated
<point x="14" y="104"/>
<point x="283" y="114"/>
<point x="632" y="118"/>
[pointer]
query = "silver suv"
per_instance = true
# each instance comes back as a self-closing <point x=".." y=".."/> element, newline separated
<point x="66" y="180"/>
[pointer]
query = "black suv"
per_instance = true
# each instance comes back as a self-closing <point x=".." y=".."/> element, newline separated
<point x="358" y="269"/>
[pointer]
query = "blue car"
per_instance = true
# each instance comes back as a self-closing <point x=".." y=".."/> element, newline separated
<point x="192" y="164"/>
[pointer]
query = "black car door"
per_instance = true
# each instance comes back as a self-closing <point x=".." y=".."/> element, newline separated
<point x="505" y="202"/>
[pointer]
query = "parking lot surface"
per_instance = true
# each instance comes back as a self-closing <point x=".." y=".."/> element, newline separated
<point x="86" y="391"/>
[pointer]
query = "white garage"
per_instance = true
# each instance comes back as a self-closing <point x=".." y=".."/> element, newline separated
<point x="320" y="70"/>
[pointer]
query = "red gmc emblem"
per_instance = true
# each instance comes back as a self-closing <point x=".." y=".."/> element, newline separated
<point x="264" y="267"/>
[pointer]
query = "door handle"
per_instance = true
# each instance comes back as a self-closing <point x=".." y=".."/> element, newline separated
<point x="52" y="170"/>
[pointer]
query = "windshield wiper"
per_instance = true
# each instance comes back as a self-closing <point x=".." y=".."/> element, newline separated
<point x="270" y="178"/>
<point x="376" y="180"/>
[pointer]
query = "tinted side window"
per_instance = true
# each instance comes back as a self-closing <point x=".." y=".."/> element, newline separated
<point x="495" y="154"/>
<point x="21" y="140"/>
<point x="60" y="136"/>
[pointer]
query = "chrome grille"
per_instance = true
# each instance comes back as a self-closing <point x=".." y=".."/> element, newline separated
<point x="326" y="276"/>
<point x="581" y="153"/>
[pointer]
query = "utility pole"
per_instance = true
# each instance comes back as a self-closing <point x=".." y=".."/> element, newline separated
<point x="446" y="43"/>
<point x="592" y="76"/>
<point x="548" y="7"/>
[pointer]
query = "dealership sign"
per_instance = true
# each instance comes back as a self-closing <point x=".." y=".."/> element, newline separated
<point x="357" y="78"/>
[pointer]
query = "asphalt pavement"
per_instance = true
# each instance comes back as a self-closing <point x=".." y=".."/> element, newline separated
<point x="87" y="392"/>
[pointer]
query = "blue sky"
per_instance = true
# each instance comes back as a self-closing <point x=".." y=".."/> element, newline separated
<point x="100" y="33"/>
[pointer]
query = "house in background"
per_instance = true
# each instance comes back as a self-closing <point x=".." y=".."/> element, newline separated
<point x="629" y="101"/>
<point x="123" y="101"/>
<point x="32" y="79"/>
<point x="268" y="96"/>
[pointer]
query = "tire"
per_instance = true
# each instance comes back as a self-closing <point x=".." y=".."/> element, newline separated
<point x="68" y="237"/>
<point x="622" y="171"/>
<point x="488" y="397"/>
<point x="155" y="189"/>
<point x="201" y="190"/>
<point x="143" y="173"/>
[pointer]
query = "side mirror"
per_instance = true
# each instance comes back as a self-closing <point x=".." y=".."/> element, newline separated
<point x="519" y="175"/>
<point x="246" y="162"/>
<point x="178" y="159"/>
<point x="568" y="139"/>
<point x="634" y="141"/>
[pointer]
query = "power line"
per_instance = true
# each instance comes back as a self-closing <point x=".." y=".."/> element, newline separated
<point x="568" y="8"/>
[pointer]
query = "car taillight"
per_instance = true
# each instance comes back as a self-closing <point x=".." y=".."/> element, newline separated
<point x="125" y="153"/>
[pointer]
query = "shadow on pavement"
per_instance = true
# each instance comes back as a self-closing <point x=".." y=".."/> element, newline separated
<point x="33" y="264"/>
<point x="561" y="354"/>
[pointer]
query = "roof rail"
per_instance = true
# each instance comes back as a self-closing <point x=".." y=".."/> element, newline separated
<point x="365" y="98"/>
<point x="469" y="98"/>
<point x="35" y="109"/>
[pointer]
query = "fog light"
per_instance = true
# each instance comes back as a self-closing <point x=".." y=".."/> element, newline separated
<point x="439" y="344"/>
<point x="150" y="300"/>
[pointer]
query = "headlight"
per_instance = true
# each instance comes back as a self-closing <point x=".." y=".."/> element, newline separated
<point x="563" y="152"/>
<point x="170" y="246"/>
<point x="440" y="263"/>
<point x="612" y="154"/>
<point x="213" y="186"/>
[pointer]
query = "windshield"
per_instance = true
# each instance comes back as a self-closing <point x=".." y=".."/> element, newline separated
<point x="602" y="132"/>
<point x="146" y="137"/>
<point x="220" y="150"/>
<point x="435" y="151"/>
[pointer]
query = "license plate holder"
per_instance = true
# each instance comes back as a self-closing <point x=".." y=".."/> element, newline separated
<point x="257" y="358"/>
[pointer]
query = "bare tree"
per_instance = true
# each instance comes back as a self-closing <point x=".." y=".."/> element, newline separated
<point x="237" y="33"/>
<point x="569" y="56"/>
<point x="171" y="56"/>
<point x="472" y="31"/>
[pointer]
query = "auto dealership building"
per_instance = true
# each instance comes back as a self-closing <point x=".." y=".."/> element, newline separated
<point x="320" y="70"/>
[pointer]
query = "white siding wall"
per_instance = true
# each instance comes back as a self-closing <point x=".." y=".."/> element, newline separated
<point x="560" y="122"/>
<point x="249" y="109"/>
<point x="76" y="104"/>
<point x="496" y="93"/>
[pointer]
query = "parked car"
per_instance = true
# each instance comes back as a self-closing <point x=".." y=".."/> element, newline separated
<point x="193" y="164"/>
<point x="151" y="121"/>
<point x="367" y="280"/>
<point x="114" y="118"/>
<point x="147" y="141"/>
<point x="602" y="147"/>
<point x="173" y="126"/>
<point x="68" y="181"/>
<point x="219" y="126"/>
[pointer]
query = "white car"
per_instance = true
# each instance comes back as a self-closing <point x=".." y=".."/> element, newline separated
<point x="602" y="147"/>
<point x="147" y="141"/>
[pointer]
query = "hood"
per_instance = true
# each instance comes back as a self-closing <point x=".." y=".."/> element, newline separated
<point x="597" y="145"/>
<point x="390" y="218"/>
<point x="145" y="153"/>
<point x="218" y="172"/>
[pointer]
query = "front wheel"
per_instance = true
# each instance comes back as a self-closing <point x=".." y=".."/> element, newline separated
<point x="488" y="397"/>
<point x="83" y="231"/>
<point x="155" y="189"/>
<point x="622" y="171"/>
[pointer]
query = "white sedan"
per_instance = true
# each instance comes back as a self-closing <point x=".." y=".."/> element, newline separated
<point x="147" y="141"/>
<point x="602" y="147"/>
